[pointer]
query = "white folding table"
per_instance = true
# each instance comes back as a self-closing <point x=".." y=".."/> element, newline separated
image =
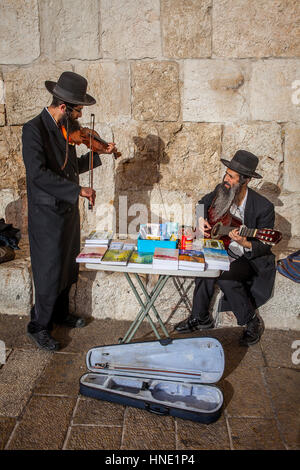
<point x="151" y="297"/>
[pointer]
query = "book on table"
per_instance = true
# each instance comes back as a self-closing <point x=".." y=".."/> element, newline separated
<point x="91" y="254"/>
<point x="216" y="257"/>
<point x="118" y="253"/>
<point x="191" y="260"/>
<point x="140" y="259"/>
<point x="165" y="258"/>
<point x="99" y="238"/>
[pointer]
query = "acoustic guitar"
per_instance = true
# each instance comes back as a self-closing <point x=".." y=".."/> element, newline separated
<point x="228" y="222"/>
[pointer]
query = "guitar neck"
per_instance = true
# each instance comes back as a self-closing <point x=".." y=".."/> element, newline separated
<point x="244" y="231"/>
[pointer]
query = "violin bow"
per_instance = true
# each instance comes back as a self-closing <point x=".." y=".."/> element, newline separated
<point x="91" y="158"/>
<point x="67" y="141"/>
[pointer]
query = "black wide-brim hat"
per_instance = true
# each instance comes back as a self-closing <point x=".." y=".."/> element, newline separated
<point x="244" y="163"/>
<point x="71" y="88"/>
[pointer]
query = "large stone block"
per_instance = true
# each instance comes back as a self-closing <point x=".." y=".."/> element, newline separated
<point x="11" y="161"/>
<point x="109" y="84"/>
<point x="186" y="28"/>
<point x="130" y="29"/>
<point x="104" y="295"/>
<point x="283" y="309"/>
<point x="216" y="90"/>
<point x="271" y="90"/>
<point x="15" y="287"/>
<point x="287" y="215"/>
<point x="172" y="205"/>
<point x="192" y="151"/>
<point x="262" y="139"/>
<point x="73" y="27"/>
<point x="155" y="91"/>
<point x="19" y="31"/>
<point x="252" y="28"/>
<point x="291" y="175"/>
<point x="2" y="115"/>
<point x="2" y="108"/>
<point x="26" y="94"/>
<point x="108" y="295"/>
<point x="103" y="183"/>
<point x="137" y="171"/>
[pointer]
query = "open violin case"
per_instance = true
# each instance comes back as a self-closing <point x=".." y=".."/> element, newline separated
<point x="168" y="377"/>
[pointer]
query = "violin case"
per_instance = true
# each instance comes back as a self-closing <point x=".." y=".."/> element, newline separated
<point x="172" y="377"/>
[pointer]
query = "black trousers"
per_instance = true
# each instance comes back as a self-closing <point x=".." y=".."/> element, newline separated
<point x="232" y="283"/>
<point x="48" y="310"/>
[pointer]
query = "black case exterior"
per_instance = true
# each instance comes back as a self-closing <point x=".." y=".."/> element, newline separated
<point x="197" y="347"/>
<point x="163" y="410"/>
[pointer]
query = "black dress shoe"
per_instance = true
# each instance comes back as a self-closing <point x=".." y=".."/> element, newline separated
<point x="253" y="332"/>
<point x="44" y="340"/>
<point x="71" y="321"/>
<point x="193" y="324"/>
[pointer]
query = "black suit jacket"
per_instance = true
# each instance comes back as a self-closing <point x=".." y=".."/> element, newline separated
<point x="259" y="213"/>
<point x="53" y="215"/>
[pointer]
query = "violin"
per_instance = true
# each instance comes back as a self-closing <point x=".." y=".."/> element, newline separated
<point x="90" y="138"/>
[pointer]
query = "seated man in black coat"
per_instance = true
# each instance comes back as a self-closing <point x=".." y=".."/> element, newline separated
<point x="249" y="282"/>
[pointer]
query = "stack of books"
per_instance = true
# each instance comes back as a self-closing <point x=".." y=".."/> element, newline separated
<point x="118" y="253"/>
<point x="165" y="258"/>
<point x="140" y="259"/>
<point x="191" y="260"/>
<point x="91" y="254"/>
<point x="216" y="257"/>
<point x="95" y="247"/>
<point x="99" y="238"/>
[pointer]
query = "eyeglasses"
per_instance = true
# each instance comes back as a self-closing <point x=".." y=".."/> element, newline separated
<point x="78" y="110"/>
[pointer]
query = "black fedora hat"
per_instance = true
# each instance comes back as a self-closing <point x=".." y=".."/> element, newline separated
<point x="71" y="88"/>
<point x="244" y="163"/>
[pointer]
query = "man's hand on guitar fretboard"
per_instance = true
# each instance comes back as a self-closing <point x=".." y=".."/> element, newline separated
<point x="235" y="236"/>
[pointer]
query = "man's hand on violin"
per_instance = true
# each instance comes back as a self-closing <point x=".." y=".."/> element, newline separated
<point x="89" y="193"/>
<point x="109" y="148"/>
<point x="234" y="235"/>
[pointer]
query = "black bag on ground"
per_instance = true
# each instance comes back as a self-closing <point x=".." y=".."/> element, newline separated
<point x="9" y="236"/>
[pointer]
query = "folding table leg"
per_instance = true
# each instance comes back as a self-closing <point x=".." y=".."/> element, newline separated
<point x="153" y="307"/>
<point x="145" y="307"/>
<point x="134" y="326"/>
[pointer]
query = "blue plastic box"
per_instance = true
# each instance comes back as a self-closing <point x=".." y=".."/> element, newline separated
<point x="148" y="246"/>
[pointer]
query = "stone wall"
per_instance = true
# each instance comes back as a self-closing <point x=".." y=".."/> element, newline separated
<point x="179" y="85"/>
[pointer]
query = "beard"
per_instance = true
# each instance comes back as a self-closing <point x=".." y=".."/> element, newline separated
<point x="69" y="123"/>
<point x="225" y="198"/>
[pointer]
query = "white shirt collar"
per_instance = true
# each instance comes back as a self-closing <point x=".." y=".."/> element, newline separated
<point x="51" y="116"/>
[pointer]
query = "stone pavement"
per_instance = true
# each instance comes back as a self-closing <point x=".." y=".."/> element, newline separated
<point x="40" y="405"/>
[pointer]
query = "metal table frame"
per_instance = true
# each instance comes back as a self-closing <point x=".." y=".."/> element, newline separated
<point x="151" y="297"/>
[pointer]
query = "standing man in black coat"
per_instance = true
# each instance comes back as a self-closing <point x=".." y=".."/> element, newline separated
<point x="249" y="282"/>
<point x="53" y="190"/>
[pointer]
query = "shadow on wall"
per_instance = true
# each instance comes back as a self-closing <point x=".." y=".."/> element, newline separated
<point x="16" y="211"/>
<point x="272" y="192"/>
<point x="134" y="181"/>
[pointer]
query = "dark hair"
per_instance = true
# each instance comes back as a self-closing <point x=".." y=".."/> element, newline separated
<point x="57" y="102"/>
<point x="244" y="178"/>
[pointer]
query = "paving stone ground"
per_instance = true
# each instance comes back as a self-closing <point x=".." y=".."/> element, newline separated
<point x="41" y="408"/>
